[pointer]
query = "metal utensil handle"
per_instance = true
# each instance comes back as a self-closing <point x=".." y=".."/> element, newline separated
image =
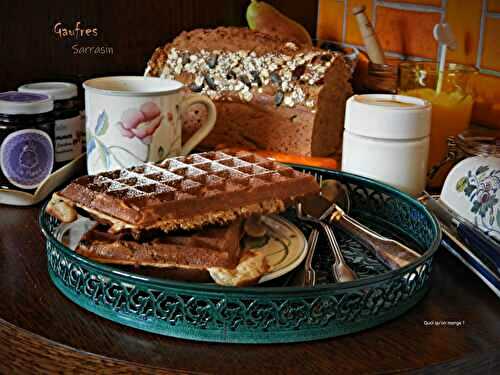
<point x="310" y="274"/>
<point x="479" y="241"/>
<point x="341" y="270"/>
<point x="390" y="252"/>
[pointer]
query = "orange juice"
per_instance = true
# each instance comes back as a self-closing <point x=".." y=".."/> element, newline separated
<point x="451" y="108"/>
<point x="451" y="113"/>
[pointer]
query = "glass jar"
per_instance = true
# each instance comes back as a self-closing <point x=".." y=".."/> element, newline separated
<point x="68" y="128"/>
<point x="451" y="107"/>
<point x="26" y="140"/>
<point x="381" y="79"/>
<point x="475" y="141"/>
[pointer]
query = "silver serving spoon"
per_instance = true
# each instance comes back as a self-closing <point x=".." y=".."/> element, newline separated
<point x="390" y="252"/>
<point x="315" y="209"/>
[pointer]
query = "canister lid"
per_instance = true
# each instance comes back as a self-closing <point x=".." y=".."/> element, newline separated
<point x="57" y="90"/>
<point x="24" y="103"/>
<point x="388" y="116"/>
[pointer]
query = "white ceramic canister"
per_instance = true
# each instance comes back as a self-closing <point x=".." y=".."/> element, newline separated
<point x="386" y="137"/>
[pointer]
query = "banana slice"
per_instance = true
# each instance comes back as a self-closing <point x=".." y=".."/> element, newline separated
<point x="252" y="266"/>
<point x="61" y="210"/>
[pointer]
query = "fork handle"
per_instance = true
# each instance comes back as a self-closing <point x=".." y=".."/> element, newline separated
<point x="341" y="271"/>
<point x="310" y="274"/>
<point x="390" y="252"/>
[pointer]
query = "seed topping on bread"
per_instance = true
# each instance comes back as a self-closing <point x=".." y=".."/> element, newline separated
<point x="269" y="93"/>
<point x="244" y="72"/>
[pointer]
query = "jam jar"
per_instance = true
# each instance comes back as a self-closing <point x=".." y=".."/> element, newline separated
<point x="26" y="140"/>
<point x="68" y="128"/>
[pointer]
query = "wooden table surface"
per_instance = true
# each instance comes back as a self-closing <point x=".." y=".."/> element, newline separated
<point x="41" y="331"/>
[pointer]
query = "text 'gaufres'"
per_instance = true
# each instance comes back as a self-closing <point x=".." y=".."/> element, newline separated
<point x="78" y="31"/>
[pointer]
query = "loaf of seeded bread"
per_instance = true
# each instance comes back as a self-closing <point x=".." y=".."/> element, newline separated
<point x="269" y="93"/>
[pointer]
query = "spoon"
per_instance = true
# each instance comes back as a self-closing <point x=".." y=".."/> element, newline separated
<point x="444" y="36"/>
<point x="392" y="253"/>
<point x="315" y="209"/>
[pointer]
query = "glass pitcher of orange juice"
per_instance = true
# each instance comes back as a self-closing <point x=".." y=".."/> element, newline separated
<point x="451" y="108"/>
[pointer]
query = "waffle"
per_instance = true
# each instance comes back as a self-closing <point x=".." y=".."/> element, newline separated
<point x="211" y="247"/>
<point x="184" y="192"/>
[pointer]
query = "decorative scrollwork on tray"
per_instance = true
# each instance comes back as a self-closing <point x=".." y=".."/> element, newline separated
<point x="173" y="309"/>
<point x="400" y="213"/>
<point x="233" y="313"/>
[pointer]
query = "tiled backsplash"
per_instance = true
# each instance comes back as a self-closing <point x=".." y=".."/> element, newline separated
<point x="404" y="28"/>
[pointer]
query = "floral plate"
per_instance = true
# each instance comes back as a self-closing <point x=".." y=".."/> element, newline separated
<point x="472" y="190"/>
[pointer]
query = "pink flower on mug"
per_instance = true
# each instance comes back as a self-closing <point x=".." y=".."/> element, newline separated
<point x="141" y="123"/>
<point x="484" y="197"/>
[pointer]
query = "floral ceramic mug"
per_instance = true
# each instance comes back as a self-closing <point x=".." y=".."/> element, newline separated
<point x="132" y="120"/>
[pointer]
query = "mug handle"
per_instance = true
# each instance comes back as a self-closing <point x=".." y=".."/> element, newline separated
<point x="206" y="127"/>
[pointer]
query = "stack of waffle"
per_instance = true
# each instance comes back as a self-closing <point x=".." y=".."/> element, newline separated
<point x="186" y="212"/>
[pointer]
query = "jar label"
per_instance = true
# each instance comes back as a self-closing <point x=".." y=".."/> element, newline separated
<point x="26" y="157"/>
<point x="68" y="134"/>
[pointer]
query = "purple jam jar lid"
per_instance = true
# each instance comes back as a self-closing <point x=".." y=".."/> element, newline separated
<point x="26" y="158"/>
<point x="23" y="103"/>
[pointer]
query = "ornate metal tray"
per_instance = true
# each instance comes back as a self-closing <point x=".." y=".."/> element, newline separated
<point x="271" y="312"/>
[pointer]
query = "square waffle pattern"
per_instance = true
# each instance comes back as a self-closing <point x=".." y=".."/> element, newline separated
<point x="189" y="186"/>
<point x="189" y="177"/>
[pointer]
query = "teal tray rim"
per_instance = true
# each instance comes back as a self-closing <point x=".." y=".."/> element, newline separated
<point x="239" y="337"/>
<point x="213" y="289"/>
